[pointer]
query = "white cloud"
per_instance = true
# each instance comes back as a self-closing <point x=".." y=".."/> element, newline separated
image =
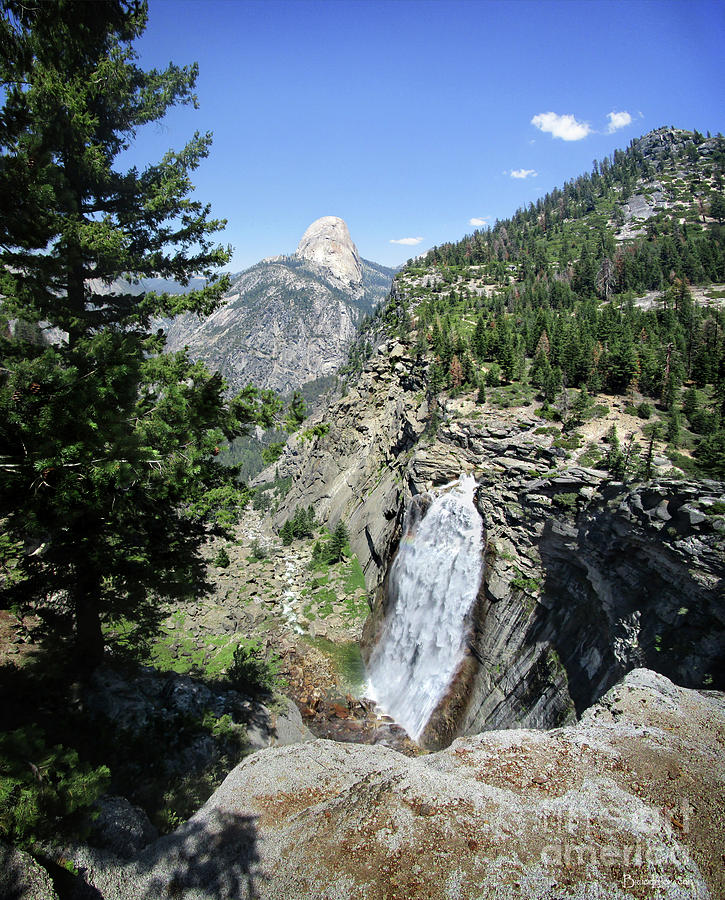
<point x="618" y="120"/>
<point x="565" y="127"/>
<point x="409" y="242"/>
<point x="477" y="221"/>
<point x="523" y="173"/>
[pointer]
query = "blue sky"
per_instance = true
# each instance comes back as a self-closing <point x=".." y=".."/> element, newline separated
<point x="410" y="119"/>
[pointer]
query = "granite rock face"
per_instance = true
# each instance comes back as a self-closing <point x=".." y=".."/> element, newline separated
<point x="22" y="878"/>
<point x="626" y="804"/>
<point x="356" y="470"/>
<point x="289" y="319"/>
<point x="327" y="242"/>
<point x="148" y="700"/>
<point x="585" y="578"/>
<point x="121" y="827"/>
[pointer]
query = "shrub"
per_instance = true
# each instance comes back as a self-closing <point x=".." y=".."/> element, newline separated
<point x="272" y="453"/>
<point x="221" y="560"/>
<point x="549" y="413"/>
<point x="599" y="411"/>
<point x="493" y="375"/>
<point x="569" y="442"/>
<point x="259" y="551"/>
<point x="252" y="671"/>
<point x="44" y="791"/>
<point x="592" y="457"/>
<point x="644" y="410"/>
<point x="320" y="430"/>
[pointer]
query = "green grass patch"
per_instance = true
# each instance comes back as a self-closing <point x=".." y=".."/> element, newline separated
<point x="325" y="598"/>
<point x="307" y="612"/>
<point x="354" y="578"/>
<point x="347" y="659"/>
<point x="177" y="651"/>
<point x="357" y="607"/>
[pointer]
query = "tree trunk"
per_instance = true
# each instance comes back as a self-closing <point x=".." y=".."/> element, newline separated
<point x="89" y="637"/>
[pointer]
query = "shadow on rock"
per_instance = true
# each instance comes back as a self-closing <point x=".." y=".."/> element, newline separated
<point x="22" y="877"/>
<point x="213" y="856"/>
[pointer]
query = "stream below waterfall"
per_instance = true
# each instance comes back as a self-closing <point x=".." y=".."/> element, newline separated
<point x="432" y="586"/>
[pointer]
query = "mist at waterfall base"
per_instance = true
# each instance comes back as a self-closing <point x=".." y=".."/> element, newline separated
<point x="432" y="585"/>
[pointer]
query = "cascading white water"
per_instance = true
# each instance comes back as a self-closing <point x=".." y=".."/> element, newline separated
<point x="433" y="582"/>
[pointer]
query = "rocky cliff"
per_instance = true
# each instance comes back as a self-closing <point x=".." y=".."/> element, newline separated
<point x="585" y="577"/>
<point x="626" y="804"/>
<point x="289" y="319"/>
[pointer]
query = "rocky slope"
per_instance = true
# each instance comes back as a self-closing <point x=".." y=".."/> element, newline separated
<point x="626" y="804"/>
<point x="585" y="578"/>
<point x="289" y="319"/>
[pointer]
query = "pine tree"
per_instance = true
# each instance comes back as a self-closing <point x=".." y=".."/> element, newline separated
<point x="615" y="461"/>
<point x="670" y="391"/>
<point x="338" y="542"/>
<point x="479" y="342"/>
<point x="672" y="432"/>
<point x="436" y="378"/>
<point x="579" y="409"/>
<point x="710" y="454"/>
<point x="456" y="373"/>
<point x="286" y="533"/>
<point x="296" y="412"/>
<point x="605" y="278"/>
<point x="717" y="208"/>
<point x="552" y="383"/>
<point x="691" y="402"/>
<point x="107" y="445"/>
<point x="655" y="435"/>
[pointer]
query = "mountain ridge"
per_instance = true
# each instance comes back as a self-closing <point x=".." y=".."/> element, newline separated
<point x="288" y="320"/>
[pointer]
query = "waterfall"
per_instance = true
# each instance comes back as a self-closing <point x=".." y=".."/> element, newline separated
<point x="433" y="583"/>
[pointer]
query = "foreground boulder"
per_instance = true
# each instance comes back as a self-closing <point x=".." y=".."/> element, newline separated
<point x="627" y="803"/>
<point x="22" y="877"/>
